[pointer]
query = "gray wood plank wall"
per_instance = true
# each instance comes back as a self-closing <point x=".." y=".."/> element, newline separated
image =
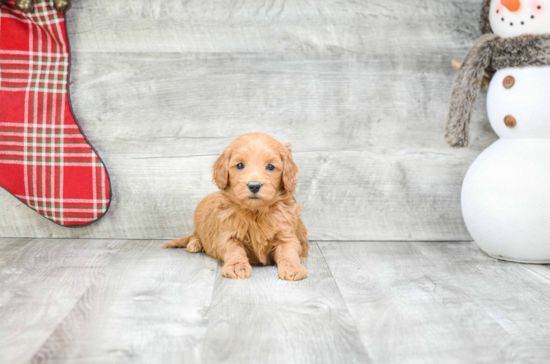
<point x="361" y="89"/>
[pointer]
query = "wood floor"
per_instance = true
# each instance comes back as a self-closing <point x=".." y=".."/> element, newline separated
<point x="115" y="301"/>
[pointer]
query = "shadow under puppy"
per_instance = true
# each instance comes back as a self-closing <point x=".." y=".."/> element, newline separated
<point x="253" y="218"/>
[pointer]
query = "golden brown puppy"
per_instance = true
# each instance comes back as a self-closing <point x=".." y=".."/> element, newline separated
<point x="254" y="218"/>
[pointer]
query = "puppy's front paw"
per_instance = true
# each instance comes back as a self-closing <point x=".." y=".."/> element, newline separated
<point x="194" y="246"/>
<point x="291" y="271"/>
<point x="237" y="270"/>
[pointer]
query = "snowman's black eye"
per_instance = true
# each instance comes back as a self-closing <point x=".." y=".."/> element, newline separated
<point x="497" y="11"/>
<point x="532" y="17"/>
<point x="538" y="7"/>
<point x="240" y="166"/>
<point x="270" y="167"/>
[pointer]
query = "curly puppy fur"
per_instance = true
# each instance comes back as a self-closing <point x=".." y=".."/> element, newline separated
<point x="489" y="54"/>
<point x="243" y="227"/>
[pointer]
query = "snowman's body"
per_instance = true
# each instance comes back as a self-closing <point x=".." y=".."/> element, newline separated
<point x="506" y="192"/>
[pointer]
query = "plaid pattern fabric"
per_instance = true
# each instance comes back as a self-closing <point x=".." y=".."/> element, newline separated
<point x="45" y="161"/>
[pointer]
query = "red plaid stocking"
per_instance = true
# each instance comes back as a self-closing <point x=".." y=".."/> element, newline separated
<point x="45" y="161"/>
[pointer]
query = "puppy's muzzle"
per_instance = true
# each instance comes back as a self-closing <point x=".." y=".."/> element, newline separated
<point x="254" y="186"/>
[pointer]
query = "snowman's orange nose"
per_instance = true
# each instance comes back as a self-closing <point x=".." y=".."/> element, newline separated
<point x="512" y="5"/>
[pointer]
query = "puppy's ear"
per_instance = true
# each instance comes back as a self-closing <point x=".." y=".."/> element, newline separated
<point x="221" y="171"/>
<point x="290" y="169"/>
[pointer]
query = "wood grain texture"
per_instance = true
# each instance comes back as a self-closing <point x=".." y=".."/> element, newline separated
<point x="100" y="301"/>
<point x="442" y="302"/>
<point x="150" y="306"/>
<point x="40" y="282"/>
<point x="266" y="320"/>
<point x="361" y="89"/>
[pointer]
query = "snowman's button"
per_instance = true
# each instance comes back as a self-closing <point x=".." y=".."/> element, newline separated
<point x="509" y="81"/>
<point x="509" y="121"/>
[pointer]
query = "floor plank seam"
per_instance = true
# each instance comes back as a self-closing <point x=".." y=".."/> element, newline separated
<point x="92" y="283"/>
<point x="85" y="238"/>
<point x="343" y="299"/>
<point x="320" y="241"/>
<point x="207" y="315"/>
<point x="482" y="306"/>
<point x="526" y="266"/>
<point x="538" y="274"/>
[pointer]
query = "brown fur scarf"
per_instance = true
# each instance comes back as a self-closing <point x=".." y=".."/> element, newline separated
<point x="488" y="55"/>
<point x="484" y="23"/>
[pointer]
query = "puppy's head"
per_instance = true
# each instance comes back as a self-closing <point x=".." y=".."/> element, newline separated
<point x="255" y="170"/>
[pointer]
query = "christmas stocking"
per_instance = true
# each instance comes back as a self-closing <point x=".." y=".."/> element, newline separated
<point x="45" y="161"/>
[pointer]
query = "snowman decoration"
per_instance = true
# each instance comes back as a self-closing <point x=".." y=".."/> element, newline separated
<point x="506" y="192"/>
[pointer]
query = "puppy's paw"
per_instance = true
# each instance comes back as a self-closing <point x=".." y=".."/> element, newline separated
<point x="237" y="270"/>
<point x="194" y="246"/>
<point x="291" y="271"/>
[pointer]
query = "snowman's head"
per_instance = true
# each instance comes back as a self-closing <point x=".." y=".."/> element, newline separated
<point x="510" y="18"/>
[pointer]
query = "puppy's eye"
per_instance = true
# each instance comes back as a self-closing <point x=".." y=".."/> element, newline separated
<point x="270" y="167"/>
<point x="240" y="166"/>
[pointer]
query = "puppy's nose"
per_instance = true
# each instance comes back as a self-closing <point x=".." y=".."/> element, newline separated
<point x="254" y="186"/>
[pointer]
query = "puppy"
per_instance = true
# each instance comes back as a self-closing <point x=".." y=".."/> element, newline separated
<point x="253" y="218"/>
